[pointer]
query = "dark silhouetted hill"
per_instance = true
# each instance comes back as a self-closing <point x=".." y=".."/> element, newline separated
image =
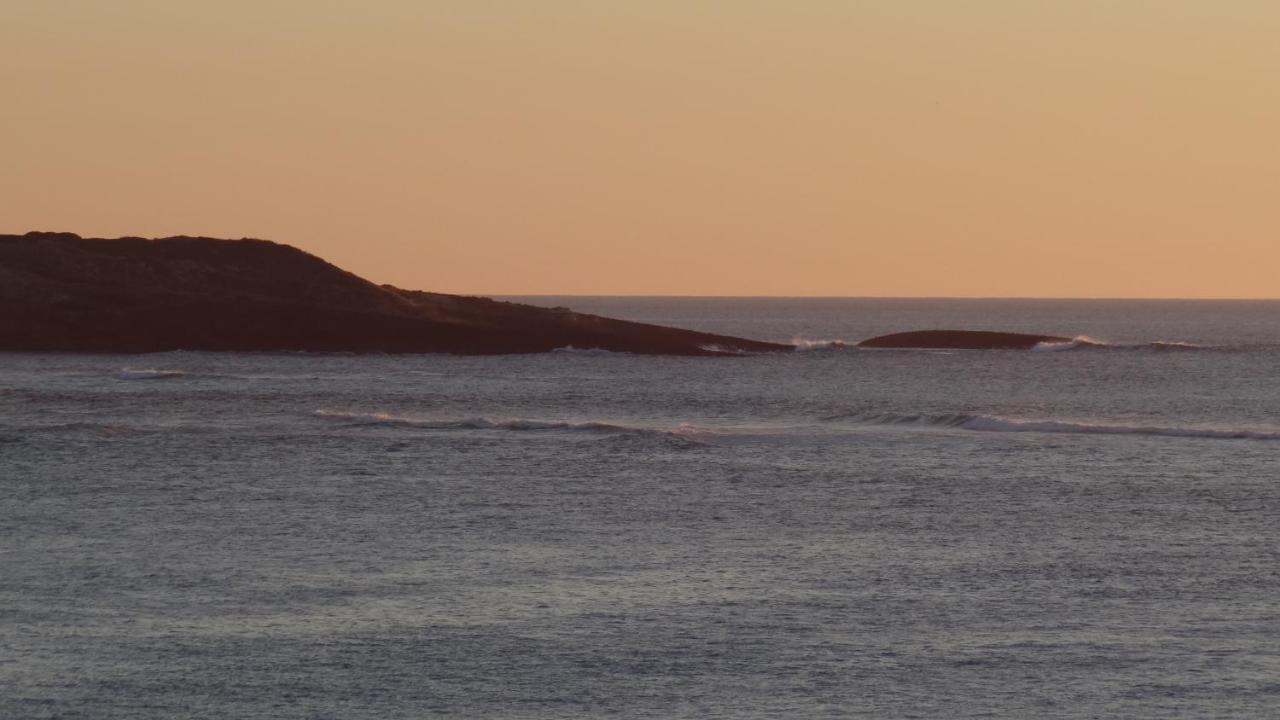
<point x="61" y="292"/>
<point x="961" y="340"/>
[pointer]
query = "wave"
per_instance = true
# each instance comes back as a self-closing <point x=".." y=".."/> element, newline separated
<point x="1080" y="341"/>
<point x="710" y="348"/>
<point x="811" y="345"/>
<point x="684" y="431"/>
<point x="724" y="350"/>
<point x="1084" y="342"/>
<point x="104" y="428"/>
<point x="569" y="349"/>
<point x="151" y="374"/>
<point x="130" y="373"/>
<point x="995" y="423"/>
<point x="1178" y="345"/>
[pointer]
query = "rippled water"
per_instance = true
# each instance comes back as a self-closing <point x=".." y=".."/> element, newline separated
<point x="830" y="533"/>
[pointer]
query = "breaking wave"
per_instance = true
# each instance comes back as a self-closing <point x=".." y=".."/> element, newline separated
<point x="684" y="431"/>
<point x="811" y="345"/>
<point x="994" y="423"/>
<point x="723" y="350"/>
<point x="1084" y="342"/>
<point x="1080" y="341"/>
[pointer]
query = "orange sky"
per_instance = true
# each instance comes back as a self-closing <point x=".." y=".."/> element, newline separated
<point x="717" y="147"/>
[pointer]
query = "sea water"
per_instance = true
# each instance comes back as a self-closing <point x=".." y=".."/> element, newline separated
<point x="1062" y="533"/>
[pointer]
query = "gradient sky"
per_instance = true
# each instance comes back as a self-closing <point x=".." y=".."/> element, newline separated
<point x="716" y="147"/>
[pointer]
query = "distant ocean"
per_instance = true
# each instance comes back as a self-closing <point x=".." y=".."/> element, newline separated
<point x="1068" y="532"/>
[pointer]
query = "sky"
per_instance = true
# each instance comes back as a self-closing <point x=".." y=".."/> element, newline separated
<point x="969" y="148"/>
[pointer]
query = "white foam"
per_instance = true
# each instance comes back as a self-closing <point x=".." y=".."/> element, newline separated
<point x="1087" y="343"/>
<point x="810" y="345"/>
<point x="723" y="350"/>
<point x="1080" y="341"/>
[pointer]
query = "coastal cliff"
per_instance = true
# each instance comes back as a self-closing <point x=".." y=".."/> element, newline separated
<point x="63" y="293"/>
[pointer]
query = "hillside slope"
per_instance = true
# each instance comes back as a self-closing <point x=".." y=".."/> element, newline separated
<point x="61" y="292"/>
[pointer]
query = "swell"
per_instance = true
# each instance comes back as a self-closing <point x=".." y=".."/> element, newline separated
<point x="994" y="423"/>
<point x="1080" y="342"/>
<point x="152" y="374"/>
<point x="132" y="373"/>
<point x="683" y="432"/>
<point x="84" y="426"/>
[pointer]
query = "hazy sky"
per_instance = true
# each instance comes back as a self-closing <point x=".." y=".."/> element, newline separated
<point x="720" y="147"/>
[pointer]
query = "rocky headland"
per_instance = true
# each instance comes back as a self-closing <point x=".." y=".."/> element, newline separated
<point x="60" y="292"/>
<point x="962" y="340"/>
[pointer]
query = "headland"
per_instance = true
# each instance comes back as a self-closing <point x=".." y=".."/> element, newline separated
<point x="60" y="292"/>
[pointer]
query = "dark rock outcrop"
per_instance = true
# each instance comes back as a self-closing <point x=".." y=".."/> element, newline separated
<point x="61" y="292"/>
<point x="961" y="340"/>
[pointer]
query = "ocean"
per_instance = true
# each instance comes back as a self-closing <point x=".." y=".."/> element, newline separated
<point x="1068" y="532"/>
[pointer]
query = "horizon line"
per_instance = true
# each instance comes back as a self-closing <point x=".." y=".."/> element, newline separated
<point x="876" y="297"/>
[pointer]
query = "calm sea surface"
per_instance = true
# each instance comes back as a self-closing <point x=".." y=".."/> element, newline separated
<point x="1062" y="533"/>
